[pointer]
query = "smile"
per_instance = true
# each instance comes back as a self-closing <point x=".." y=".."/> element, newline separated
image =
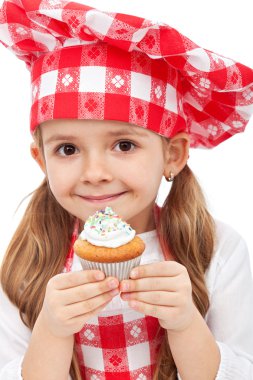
<point x="102" y="198"/>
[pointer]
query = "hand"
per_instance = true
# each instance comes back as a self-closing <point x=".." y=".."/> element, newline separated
<point x="162" y="290"/>
<point x="73" y="298"/>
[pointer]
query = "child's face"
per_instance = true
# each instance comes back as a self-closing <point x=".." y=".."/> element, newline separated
<point x="92" y="164"/>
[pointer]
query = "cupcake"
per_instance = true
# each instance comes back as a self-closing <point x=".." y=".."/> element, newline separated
<point x="109" y="244"/>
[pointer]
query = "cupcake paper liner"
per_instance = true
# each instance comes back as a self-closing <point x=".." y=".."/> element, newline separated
<point x="120" y="270"/>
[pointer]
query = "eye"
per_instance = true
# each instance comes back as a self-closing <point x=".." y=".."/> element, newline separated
<point x="67" y="150"/>
<point x="125" y="146"/>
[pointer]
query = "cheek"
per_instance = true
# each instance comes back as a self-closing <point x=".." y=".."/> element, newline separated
<point x="56" y="185"/>
<point x="152" y="175"/>
<point x="145" y="175"/>
<point x="59" y="180"/>
<point x="151" y="168"/>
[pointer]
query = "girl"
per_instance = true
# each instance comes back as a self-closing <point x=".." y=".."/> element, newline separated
<point x="116" y="103"/>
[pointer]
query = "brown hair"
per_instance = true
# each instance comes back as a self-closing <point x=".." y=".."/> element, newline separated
<point x="187" y="231"/>
<point x="35" y="253"/>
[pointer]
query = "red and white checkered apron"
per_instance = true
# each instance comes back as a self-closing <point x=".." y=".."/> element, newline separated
<point x="122" y="346"/>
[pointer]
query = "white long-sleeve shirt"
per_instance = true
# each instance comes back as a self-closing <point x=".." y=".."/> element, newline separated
<point x="230" y="317"/>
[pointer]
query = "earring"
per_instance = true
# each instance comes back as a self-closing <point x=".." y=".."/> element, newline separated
<point x="170" y="178"/>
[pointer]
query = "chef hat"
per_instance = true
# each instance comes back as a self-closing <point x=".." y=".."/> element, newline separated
<point x="91" y="64"/>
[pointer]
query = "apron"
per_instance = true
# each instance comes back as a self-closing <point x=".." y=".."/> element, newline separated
<point x="117" y="344"/>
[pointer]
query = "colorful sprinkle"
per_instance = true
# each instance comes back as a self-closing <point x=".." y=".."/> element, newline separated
<point x="105" y="221"/>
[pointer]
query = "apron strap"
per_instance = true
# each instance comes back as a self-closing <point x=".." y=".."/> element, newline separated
<point x="70" y="255"/>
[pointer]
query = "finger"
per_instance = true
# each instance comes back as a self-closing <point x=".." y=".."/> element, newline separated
<point x="157" y="311"/>
<point x="169" y="284"/>
<point x="155" y="298"/>
<point x="73" y="279"/>
<point x="89" y="305"/>
<point x="86" y="291"/>
<point x="161" y="269"/>
<point x="79" y="321"/>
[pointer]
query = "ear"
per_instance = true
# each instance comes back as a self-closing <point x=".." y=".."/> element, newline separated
<point x="176" y="153"/>
<point x="37" y="156"/>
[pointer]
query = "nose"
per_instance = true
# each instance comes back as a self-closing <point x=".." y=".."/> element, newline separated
<point x="96" y="169"/>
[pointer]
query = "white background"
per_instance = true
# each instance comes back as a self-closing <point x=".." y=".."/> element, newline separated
<point x="224" y="172"/>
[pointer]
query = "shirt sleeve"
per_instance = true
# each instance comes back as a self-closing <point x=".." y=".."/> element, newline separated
<point x="14" y="338"/>
<point x="12" y="370"/>
<point x="231" y="305"/>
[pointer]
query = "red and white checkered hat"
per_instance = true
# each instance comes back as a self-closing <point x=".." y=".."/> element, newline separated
<point x="89" y="64"/>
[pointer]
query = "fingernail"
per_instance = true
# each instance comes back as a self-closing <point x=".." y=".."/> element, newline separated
<point x="125" y="286"/>
<point x="99" y="276"/>
<point x="113" y="284"/>
<point x="134" y="273"/>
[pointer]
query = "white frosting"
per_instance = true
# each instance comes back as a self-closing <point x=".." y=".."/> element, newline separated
<point x="106" y="229"/>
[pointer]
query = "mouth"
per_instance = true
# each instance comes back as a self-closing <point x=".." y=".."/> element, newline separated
<point x="102" y="198"/>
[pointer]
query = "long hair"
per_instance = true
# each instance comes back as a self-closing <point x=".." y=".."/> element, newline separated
<point x="36" y="253"/>
<point x="186" y="230"/>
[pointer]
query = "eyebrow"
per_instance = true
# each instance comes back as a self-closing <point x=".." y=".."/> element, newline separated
<point x="116" y="133"/>
<point x="59" y="137"/>
<point x="136" y="131"/>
